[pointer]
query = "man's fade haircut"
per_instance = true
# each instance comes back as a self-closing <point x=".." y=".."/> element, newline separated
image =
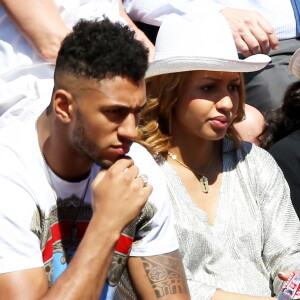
<point x="100" y="49"/>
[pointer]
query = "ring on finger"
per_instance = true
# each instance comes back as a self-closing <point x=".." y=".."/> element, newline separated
<point x="144" y="177"/>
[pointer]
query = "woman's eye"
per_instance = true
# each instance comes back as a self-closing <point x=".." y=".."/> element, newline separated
<point x="234" y="87"/>
<point x="207" y="88"/>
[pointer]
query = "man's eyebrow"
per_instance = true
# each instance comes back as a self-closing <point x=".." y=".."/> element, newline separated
<point x="122" y="106"/>
<point x="116" y="105"/>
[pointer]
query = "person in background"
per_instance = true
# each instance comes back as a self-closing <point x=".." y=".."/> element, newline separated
<point x="256" y="26"/>
<point x="74" y="209"/>
<point x="282" y="134"/>
<point x="236" y="226"/>
<point x="30" y="40"/>
<point x="252" y="126"/>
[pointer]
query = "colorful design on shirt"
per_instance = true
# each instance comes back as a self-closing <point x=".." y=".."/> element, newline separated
<point x="129" y="235"/>
<point x="60" y="238"/>
<point x="108" y="292"/>
<point x="60" y="234"/>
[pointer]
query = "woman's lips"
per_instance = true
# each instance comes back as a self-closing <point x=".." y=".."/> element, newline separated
<point x="219" y="122"/>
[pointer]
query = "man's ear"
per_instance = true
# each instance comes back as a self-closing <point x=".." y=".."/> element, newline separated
<point x="63" y="103"/>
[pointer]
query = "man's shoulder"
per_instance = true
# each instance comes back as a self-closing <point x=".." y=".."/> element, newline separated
<point x="15" y="131"/>
<point x="137" y="149"/>
<point x="17" y="145"/>
<point x="146" y="163"/>
<point x="141" y="156"/>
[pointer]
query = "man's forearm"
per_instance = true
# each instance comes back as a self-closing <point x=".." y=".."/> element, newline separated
<point x="83" y="279"/>
<point x="140" y="35"/>
<point x="85" y="276"/>
<point x="40" y="23"/>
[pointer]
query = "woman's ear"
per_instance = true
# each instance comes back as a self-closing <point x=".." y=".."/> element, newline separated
<point x="63" y="103"/>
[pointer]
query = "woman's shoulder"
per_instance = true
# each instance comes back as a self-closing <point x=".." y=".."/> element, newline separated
<point x="251" y="155"/>
<point x="244" y="149"/>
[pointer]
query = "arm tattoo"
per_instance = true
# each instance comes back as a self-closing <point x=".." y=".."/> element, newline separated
<point x="166" y="274"/>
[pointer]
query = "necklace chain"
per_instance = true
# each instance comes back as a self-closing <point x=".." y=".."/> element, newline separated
<point x="203" y="179"/>
<point x="79" y="205"/>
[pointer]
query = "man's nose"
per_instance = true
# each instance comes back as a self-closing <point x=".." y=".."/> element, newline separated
<point x="128" y="128"/>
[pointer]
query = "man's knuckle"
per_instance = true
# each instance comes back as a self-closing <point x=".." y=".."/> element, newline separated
<point x="264" y="40"/>
<point x="236" y="34"/>
<point x="248" y="21"/>
<point x="255" y="45"/>
<point x="269" y="31"/>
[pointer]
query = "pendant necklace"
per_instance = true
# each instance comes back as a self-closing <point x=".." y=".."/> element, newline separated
<point x="73" y="202"/>
<point x="202" y="178"/>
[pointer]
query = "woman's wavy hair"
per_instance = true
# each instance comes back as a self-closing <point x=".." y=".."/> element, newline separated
<point x="285" y="119"/>
<point x="155" y="125"/>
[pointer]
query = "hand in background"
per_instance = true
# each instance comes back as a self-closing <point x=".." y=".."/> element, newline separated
<point x="252" y="33"/>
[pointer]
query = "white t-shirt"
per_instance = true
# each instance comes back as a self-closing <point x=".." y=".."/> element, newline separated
<point x="36" y="230"/>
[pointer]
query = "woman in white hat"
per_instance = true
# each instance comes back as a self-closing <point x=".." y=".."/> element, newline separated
<point x="236" y="226"/>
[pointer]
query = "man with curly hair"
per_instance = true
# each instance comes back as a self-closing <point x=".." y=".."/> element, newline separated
<point x="80" y="201"/>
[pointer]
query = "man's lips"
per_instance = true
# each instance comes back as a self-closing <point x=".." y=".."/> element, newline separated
<point x="122" y="149"/>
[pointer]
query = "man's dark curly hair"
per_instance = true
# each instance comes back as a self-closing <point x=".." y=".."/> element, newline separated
<point x="100" y="49"/>
<point x="284" y="120"/>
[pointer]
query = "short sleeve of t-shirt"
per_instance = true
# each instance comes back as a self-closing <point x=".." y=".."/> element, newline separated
<point x="20" y="247"/>
<point x="21" y="187"/>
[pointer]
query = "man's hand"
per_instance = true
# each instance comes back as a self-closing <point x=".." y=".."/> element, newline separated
<point x="119" y="193"/>
<point x="118" y="197"/>
<point x="252" y="33"/>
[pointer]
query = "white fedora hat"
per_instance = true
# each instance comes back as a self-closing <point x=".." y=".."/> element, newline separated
<point x="205" y="43"/>
<point x="294" y="64"/>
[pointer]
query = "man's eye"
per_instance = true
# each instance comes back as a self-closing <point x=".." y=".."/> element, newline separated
<point x="139" y="110"/>
<point x="115" y="111"/>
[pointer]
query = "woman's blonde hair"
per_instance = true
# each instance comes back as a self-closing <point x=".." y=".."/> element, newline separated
<point x="155" y="125"/>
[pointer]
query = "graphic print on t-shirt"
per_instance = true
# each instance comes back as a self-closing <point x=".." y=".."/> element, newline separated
<point x="60" y="233"/>
<point x="60" y="236"/>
